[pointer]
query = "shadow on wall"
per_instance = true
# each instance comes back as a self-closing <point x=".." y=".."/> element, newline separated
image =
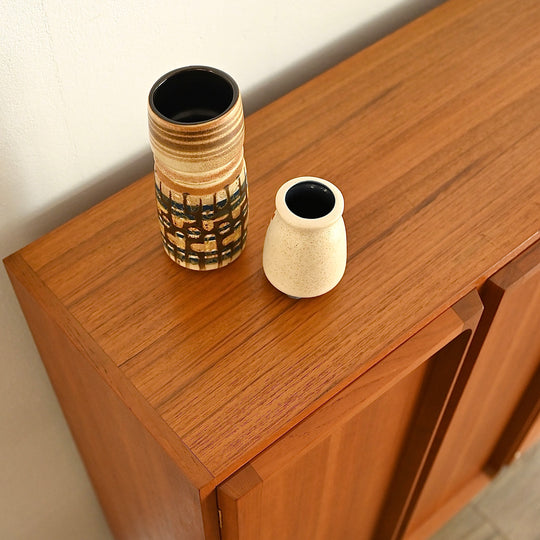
<point x="331" y="54"/>
<point x="94" y="191"/>
<point x="97" y="189"/>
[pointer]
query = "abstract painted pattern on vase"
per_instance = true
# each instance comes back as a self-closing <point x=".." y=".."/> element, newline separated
<point x="203" y="232"/>
<point x="196" y="125"/>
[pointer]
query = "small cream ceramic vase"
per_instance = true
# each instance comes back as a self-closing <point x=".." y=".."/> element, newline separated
<point x="305" y="249"/>
<point x="196" y="125"/>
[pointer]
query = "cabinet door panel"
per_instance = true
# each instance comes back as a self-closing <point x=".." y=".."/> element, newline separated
<point x="347" y="494"/>
<point x="521" y="430"/>
<point x="532" y="437"/>
<point x="498" y="391"/>
<point x="358" y="457"/>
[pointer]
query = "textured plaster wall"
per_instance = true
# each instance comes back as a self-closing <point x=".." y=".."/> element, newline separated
<point x="73" y="83"/>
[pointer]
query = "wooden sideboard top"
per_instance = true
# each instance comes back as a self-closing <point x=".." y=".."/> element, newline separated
<point x="433" y="136"/>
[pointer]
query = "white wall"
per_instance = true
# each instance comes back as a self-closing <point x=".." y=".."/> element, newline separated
<point x="74" y="77"/>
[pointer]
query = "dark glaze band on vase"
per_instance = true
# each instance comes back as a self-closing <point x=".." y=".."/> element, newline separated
<point x="196" y="124"/>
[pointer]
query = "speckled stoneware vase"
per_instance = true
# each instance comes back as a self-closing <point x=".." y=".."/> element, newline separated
<point x="196" y="126"/>
<point x="305" y="249"/>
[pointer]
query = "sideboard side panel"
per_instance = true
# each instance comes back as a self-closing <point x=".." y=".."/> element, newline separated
<point x="142" y="491"/>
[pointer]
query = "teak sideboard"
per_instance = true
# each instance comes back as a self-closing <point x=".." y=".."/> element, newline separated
<point x="209" y="405"/>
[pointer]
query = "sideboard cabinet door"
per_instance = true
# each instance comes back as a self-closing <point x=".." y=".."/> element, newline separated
<point x="497" y="394"/>
<point x="348" y="470"/>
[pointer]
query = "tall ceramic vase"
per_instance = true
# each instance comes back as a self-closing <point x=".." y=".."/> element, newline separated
<point x="196" y="125"/>
<point x="305" y="249"/>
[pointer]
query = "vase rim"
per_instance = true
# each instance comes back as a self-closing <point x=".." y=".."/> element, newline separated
<point x="207" y="69"/>
<point x="293" y="219"/>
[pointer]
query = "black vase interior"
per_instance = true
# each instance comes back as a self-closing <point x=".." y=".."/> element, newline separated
<point x="193" y="95"/>
<point x="310" y="200"/>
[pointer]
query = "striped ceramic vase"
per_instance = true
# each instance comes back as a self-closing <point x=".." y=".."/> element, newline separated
<point x="196" y="126"/>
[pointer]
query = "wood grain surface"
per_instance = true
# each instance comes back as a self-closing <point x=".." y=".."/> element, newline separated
<point x="432" y="135"/>
<point x="347" y="470"/>
<point x="368" y="388"/>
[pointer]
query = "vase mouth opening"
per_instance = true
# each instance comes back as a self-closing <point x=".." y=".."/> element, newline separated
<point x="310" y="199"/>
<point x="309" y="202"/>
<point x="193" y="95"/>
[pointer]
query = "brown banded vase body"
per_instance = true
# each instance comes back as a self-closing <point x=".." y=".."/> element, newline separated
<point x="196" y="125"/>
